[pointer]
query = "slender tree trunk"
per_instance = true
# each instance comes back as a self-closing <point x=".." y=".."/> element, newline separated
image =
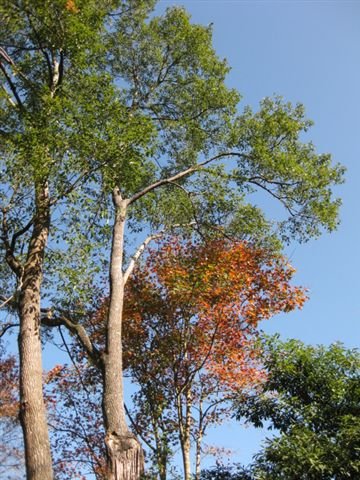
<point x="32" y="407"/>
<point x="185" y="438"/>
<point x="198" y="442"/>
<point x="124" y="453"/>
<point x="161" y="452"/>
<point x="162" y="468"/>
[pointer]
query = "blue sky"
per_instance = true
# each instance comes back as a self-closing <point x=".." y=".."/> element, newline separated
<point x="306" y="51"/>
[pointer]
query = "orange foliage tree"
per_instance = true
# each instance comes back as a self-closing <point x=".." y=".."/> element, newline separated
<point x="190" y="324"/>
<point x="11" y="451"/>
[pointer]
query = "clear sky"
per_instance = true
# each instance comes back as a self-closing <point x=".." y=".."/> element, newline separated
<point x="306" y="51"/>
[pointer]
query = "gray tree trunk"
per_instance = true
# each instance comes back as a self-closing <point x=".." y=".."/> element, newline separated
<point x="125" y="458"/>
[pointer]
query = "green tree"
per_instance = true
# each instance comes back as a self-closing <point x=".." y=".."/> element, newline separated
<point x="47" y="69"/>
<point x="108" y="112"/>
<point x="312" y="397"/>
<point x="224" y="472"/>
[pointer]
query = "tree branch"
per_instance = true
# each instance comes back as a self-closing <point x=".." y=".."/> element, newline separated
<point x="48" y="319"/>
<point x="145" y="243"/>
<point x="10" y="258"/>
<point x="12" y="103"/>
<point x="136" y="428"/>
<point x="20" y="232"/>
<point x="7" y="327"/>
<point x="12" y="86"/>
<point x="180" y="175"/>
<point x="72" y="359"/>
<point x="72" y="187"/>
<point x="6" y="301"/>
<point x="138" y="254"/>
<point x="273" y="194"/>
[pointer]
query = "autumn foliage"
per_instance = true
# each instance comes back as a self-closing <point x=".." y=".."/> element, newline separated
<point x="210" y="298"/>
<point x="11" y="451"/>
<point x="190" y="324"/>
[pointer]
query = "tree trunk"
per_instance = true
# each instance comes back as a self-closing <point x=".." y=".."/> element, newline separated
<point x="125" y="459"/>
<point x="185" y="438"/>
<point x="161" y="452"/>
<point x="198" y="442"/>
<point x="32" y="407"/>
<point x="162" y="469"/>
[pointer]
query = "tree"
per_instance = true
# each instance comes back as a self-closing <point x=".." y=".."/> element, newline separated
<point x="190" y="324"/>
<point x="43" y="158"/>
<point x="73" y="394"/>
<point x="311" y="396"/>
<point x="221" y="472"/>
<point x="146" y="150"/>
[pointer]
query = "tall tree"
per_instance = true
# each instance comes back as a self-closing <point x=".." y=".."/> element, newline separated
<point x="127" y="115"/>
<point x="46" y="80"/>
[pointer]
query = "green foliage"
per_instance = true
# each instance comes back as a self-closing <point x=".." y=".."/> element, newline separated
<point x="105" y="94"/>
<point x="221" y="472"/>
<point x="312" y="396"/>
<point x="276" y="160"/>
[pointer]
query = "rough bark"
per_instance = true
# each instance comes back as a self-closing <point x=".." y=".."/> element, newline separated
<point x="124" y="453"/>
<point x="32" y="407"/>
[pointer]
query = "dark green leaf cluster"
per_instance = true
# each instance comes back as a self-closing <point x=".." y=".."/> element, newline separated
<point x="222" y="472"/>
<point x="312" y="397"/>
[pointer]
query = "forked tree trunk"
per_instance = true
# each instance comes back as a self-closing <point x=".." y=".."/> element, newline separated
<point x="32" y="407"/>
<point x="125" y="459"/>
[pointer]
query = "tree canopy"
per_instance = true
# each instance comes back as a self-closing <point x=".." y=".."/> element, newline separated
<point x="312" y="397"/>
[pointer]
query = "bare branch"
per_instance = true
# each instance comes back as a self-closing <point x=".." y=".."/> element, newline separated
<point x="72" y="187"/>
<point x="137" y="429"/>
<point x="12" y="103"/>
<point x="75" y="183"/>
<point x="10" y="258"/>
<point x="180" y="175"/>
<point x="72" y="359"/>
<point x="6" y="57"/>
<point x="273" y="194"/>
<point x="48" y="319"/>
<point x="7" y="327"/>
<point x="20" y="232"/>
<point x="138" y="254"/>
<point x="5" y="302"/>
<point x="145" y="243"/>
<point x="12" y="86"/>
